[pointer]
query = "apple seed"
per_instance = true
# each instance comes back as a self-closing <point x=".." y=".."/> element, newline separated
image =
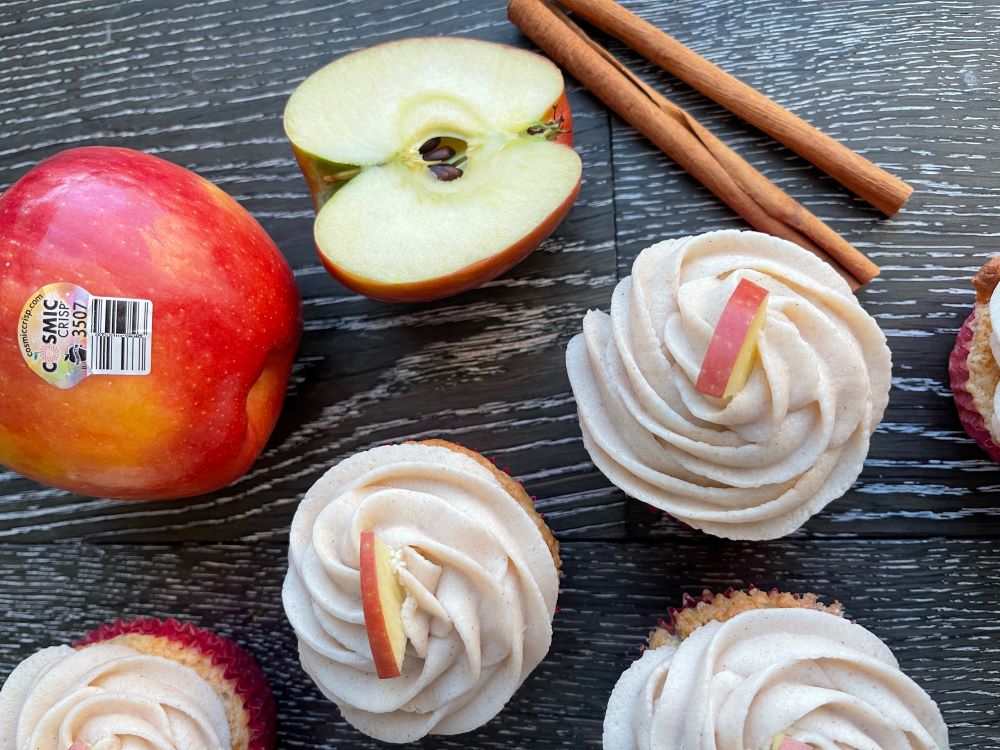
<point x="440" y="154"/>
<point x="445" y="172"/>
<point x="429" y="145"/>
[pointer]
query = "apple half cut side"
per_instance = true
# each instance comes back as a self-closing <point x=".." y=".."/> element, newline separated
<point x="435" y="164"/>
<point x="382" y="599"/>
<point x="784" y="742"/>
<point x="731" y="350"/>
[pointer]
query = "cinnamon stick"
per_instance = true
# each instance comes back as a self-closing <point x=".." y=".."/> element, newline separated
<point x="885" y="191"/>
<point x="738" y="184"/>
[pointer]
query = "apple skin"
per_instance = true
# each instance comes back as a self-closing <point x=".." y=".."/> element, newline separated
<point x="227" y="320"/>
<point x="376" y="610"/>
<point x="464" y="279"/>
<point x="783" y="742"/>
<point x="738" y="326"/>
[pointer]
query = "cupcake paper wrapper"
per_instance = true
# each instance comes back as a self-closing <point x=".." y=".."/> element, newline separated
<point x="958" y="372"/>
<point x="236" y="665"/>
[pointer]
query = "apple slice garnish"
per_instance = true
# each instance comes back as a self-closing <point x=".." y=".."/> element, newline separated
<point x="435" y="164"/>
<point x="784" y="742"/>
<point x="733" y="346"/>
<point x="382" y="598"/>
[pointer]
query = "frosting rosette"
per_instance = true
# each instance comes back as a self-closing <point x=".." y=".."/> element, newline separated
<point x="479" y="572"/>
<point x="737" y="685"/>
<point x="110" y="697"/>
<point x="143" y="684"/>
<point x="756" y="465"/>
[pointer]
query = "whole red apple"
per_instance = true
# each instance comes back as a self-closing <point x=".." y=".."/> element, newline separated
<point x="114" y="261"/>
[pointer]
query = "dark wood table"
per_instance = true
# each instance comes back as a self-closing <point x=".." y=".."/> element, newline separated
<point x="911" y="550"/>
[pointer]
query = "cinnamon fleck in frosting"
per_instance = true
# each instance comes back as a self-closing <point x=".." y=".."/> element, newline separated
<point x="480" y="572"/>
<point x="734" y="671"/>
<point x="793" y="439"/>
<point x="142" y="685"/>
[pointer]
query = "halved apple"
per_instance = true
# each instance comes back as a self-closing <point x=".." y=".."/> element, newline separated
<point x="731" y="350"/>
<point x="435" y="164"/>
<point x="784" y="742"/>
<point x="382" y="599"/>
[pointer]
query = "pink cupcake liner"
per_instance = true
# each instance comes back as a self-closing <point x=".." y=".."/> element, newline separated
<point x="958" y="373"/>
<point x="237" y="666"/>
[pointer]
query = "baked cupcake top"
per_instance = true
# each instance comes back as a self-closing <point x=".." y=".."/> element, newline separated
<point x="770" y="669"/>
<point x="108" y="694"/>
<point x="756" y="465"/>
<point x="984" y="349"/>
<point x="986" y="279"/>
<point x="479" y="570"/>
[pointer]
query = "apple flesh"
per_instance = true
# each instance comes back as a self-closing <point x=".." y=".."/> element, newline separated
<point x="226" y="322"/>
<point x="435" y="164"/>
<point x="784" y="742"/>
<point x="382" y="599"/>
<point x="731" y="350"/>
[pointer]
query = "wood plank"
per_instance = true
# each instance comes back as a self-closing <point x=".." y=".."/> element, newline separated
<point x="930" y="600"/>
<point x="204" y="85"/>
<point x="913" y="91"/>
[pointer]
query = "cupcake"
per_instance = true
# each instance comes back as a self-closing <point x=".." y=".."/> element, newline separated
<point x="761" y="671"/>
<point x="453" y="608"/>
<point x="758" y="462"/>
<point x="973" y="365"/>
<point x="140" y="685"/>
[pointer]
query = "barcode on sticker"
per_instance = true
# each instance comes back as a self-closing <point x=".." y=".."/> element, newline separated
<point x="120" y="336"/>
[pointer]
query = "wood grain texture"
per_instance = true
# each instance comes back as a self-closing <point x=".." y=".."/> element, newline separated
<point x="204" y="85"/>
<point x="911" y="84"/>
<point x="907" y="592"/>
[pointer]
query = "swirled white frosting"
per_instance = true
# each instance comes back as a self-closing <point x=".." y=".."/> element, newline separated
<point x="736" y="685"/>
<point x="794" y="438"/>
<point x="480" y="586"/>
<point x="111" y="697"/>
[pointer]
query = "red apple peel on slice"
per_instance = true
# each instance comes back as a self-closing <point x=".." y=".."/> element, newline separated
<point x="382" y="599"/>
<point x="430" y="172"/>
<point x="731" y="351"/>
<point x="784" y="742"/>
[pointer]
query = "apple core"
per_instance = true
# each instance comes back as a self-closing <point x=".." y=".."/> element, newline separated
<point x="451" y="175"/>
